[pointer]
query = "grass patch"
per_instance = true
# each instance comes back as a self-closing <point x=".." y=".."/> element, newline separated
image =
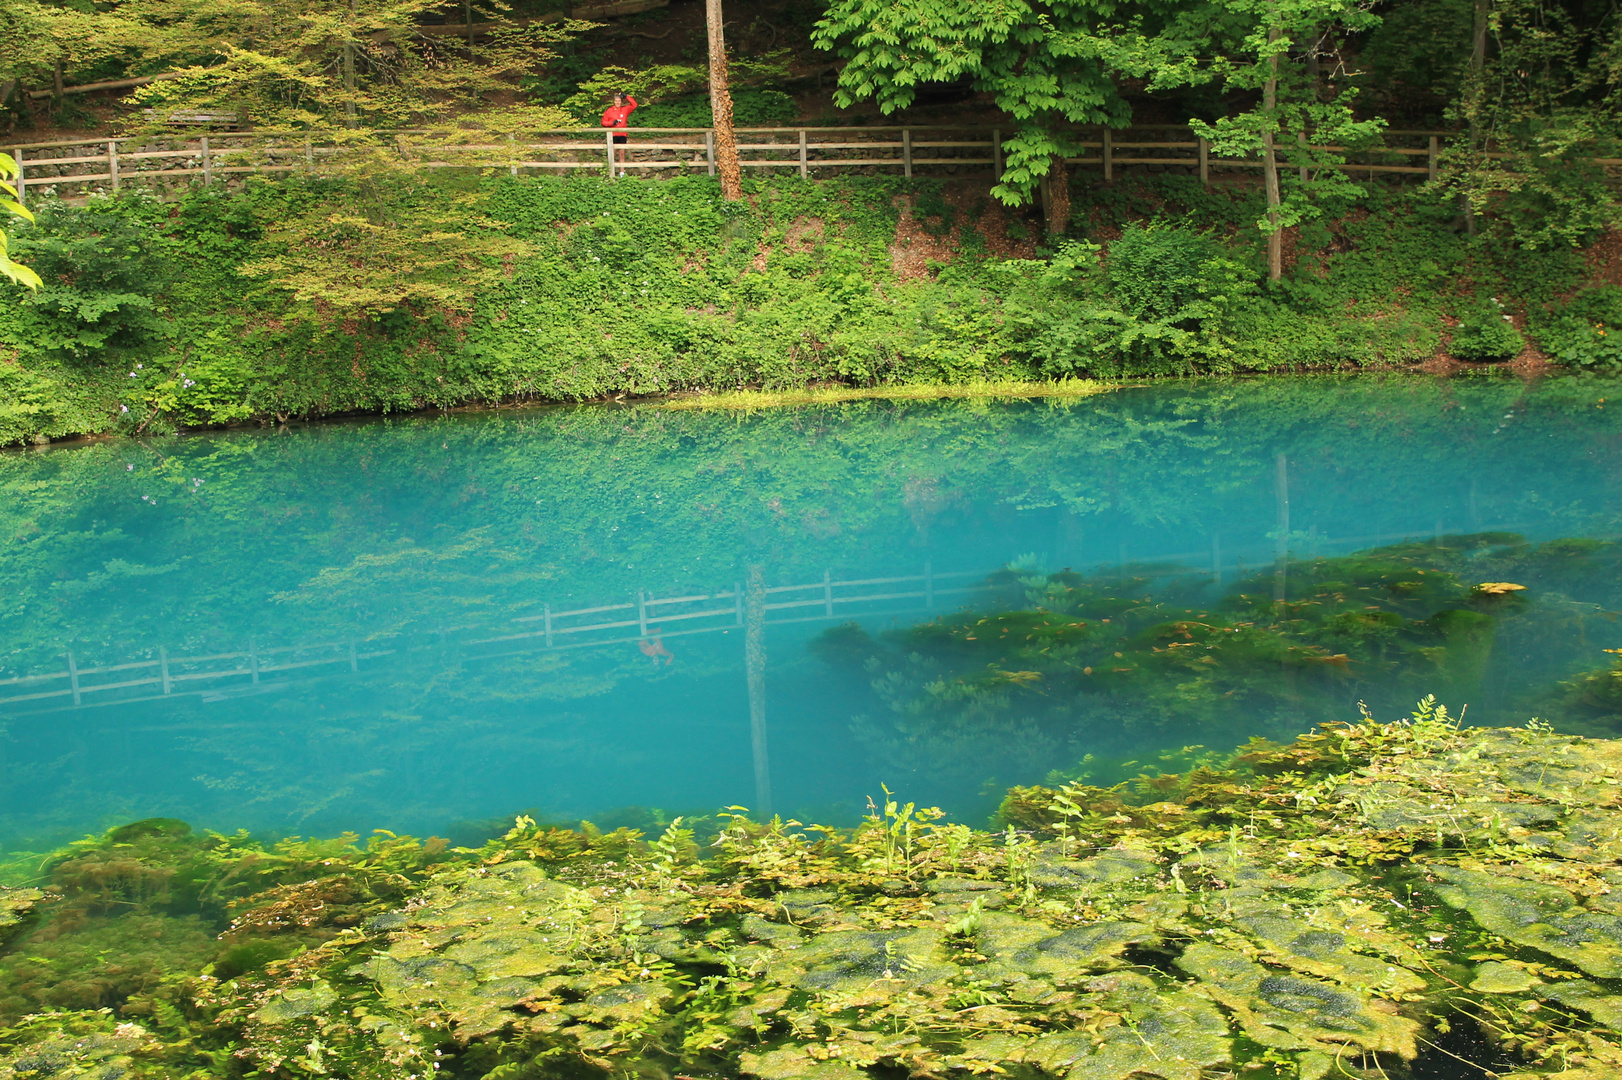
<point x="823" y="395"/>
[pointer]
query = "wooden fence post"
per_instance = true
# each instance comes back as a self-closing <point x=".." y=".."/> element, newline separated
<point x="709" y="149"/>
<point x="112" y="162"/>
<point x="1109" y="157"/>
<point x="906" y="151"/>
<point x="163" y="670"/>
<point x="1432" y="159"/>
<point x="208" y="164"/>
<point x="73" y="677"/>
<point x="996" y="153"/>
<point x="805" y="171"/>
<point x="512" y="168"/>
<point x="1205" y="163"/>
<point x="22" y="181"/>
<point x="608" y="141"/>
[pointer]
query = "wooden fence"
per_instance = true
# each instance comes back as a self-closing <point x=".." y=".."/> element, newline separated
<point x="164" y="163"/>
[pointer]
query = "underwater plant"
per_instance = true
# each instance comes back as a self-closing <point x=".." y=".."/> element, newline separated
<point x="1335" y="906"/>
<point x="1053" y="666"/>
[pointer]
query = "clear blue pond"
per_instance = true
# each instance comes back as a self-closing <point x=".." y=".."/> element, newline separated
<point x="431" y="624"/>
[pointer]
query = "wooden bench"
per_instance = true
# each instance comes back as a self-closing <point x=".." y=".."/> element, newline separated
<point x="229" y="121"/>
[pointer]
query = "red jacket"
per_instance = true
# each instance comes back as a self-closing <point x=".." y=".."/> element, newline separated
<point x="618" y="116"/>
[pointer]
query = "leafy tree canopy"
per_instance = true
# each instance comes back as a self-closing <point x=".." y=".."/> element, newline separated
<point x="1041" y="63"/>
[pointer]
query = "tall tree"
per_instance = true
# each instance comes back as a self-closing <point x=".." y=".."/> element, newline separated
<point x="726" y="143"/>
<point x="41" y="41"/>
<point x="1541" y="100"/>
<point x="1299" y="125"/>
<point x="328" y="64"/>
<point x="1038" y="60"/>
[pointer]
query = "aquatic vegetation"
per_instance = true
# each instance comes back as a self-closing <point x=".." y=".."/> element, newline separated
<point x="819" y="395"/>
<point x="1591" y="703"/>
<point x="1325" y="908"/>
<point x="1047" y="664"/>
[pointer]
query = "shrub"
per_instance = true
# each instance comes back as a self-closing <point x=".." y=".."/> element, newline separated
<point x="103" y="269"/>
<point x="1486" y="334"/>
<point x="1586" y="332"/>
<point x="1167" y="273"/>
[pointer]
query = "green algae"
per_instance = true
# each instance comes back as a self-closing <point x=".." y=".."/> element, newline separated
<point x="1318" y="909"/>
<point x="1539" y="916"/>
<point x="1044" y="664"/>
<point x="87" y="1046"/>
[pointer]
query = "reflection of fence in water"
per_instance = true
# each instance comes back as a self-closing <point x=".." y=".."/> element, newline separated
<point x="230" y="674"/>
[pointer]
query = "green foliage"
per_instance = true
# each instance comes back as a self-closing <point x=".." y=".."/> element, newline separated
<point x="1532" y="118"/>
<point x="1335" y="899"/>
<point x="102" y="269"/>
<point x="10" y="207"/>
<point x="750" y="108"/>
<point x="1037" y="62"/>
<point x="666" y="97"/>
<point x="339" y="68"/>
<point x="379" y="290"/>
<point x="1161" y="304"/>
<point x="1165" y="273"/>
<point x="377" y="245"/>
<point x="1050" y="663"/>
<point x="1583" y="332"/>
<point x="1421" y="45"/>
<point x="1486" y="333"/>
<point x="1246" y="48"/>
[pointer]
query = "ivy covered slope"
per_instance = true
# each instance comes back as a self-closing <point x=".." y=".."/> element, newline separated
<point x="1362" y="903"/>
<point x="394" y="291"/>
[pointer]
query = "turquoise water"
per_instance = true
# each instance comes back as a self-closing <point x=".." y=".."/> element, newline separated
<point x="432" y="624"/>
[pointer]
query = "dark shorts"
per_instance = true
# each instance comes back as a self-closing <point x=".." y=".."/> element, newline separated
<point x="622" y="138"/>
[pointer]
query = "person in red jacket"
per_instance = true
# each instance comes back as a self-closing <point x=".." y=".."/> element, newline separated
<point x="618" y="116"/>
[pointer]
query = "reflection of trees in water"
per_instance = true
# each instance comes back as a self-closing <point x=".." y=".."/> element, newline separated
<point x="380" y="527"/>
<point x="1056" y="665"/>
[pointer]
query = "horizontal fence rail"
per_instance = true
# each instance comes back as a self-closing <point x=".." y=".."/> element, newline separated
<point x="164" y="163"/>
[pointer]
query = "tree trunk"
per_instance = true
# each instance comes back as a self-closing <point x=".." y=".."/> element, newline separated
<point x="1275" y="237"/>
<point x="1058" y="198"/>
<point x="726" y="144"/>
<point x="350" y="119"/>
<point x="1478" y="64"/>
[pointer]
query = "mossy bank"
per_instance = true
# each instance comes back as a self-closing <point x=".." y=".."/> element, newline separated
<point x="1373" y="900"/>
<point x="305" y="298"/>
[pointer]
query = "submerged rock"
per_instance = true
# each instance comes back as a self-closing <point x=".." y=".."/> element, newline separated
<point x="14" y="904"/>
